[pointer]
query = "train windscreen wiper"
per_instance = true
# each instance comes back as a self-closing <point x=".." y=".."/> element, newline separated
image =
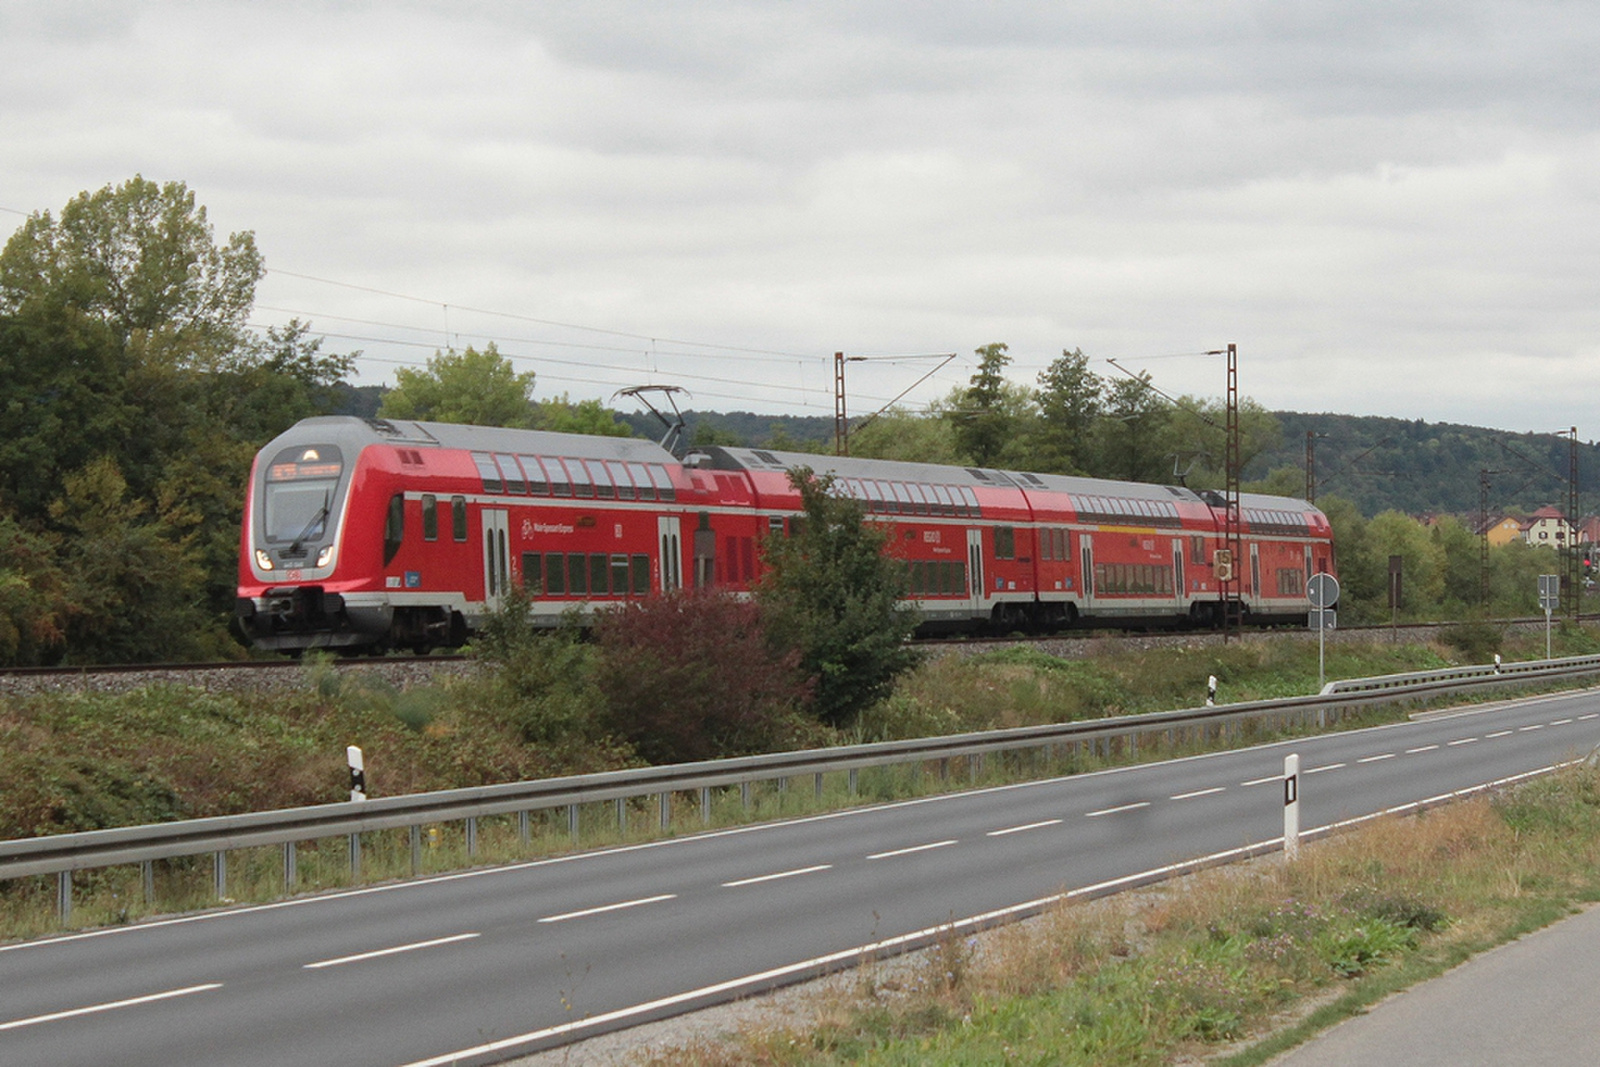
<point x="295" y="548"/>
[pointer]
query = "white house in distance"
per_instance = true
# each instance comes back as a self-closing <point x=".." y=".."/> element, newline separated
<point x="1547" y="527"/>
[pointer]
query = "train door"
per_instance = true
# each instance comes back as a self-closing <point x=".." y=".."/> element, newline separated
<point x="670" y="540"/>
<point x="1086" y="560"/>
<point x="496" y="557"/>
<point x="979" y="587"/>
<point x="705" y="553"/>
<point x="1177" y="571"/>
<point x="1254" y="595"/>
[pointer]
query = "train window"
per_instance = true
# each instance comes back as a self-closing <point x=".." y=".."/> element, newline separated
<point x="902" y="497"/>
<point x="922" y="498"/>
<point x="619" y="475"/>
<point x="1005" y="542"/>
<point x="394" y="528"/>
<point x="430" y="517"/>
<point x="582" y="481"/>
<point x="641" y="481"/>
<point x="944" y="503"/>
<point x="1047" y="545"/>
<point x="599" y="574"/>
<point x="555" y="574"/>
<point x="971" y="500"/>
<point x="603" y="486"/>
<point x="536" y="479"/>
<point x="1197" y="550"/>
<point x="919" y="578"/>
<point x="881" y="496"/>
<point x="578" y="574"/>
<point x="619" y="575"/>
<point x="774" y="525"/>
<point x="663" y="481"/>
<point x="560" y="484"/>
<point x="458" y="518"/>
<point x="511" y="474"/>
<point x="488" y="472"/>
<point x="533" y="573"/>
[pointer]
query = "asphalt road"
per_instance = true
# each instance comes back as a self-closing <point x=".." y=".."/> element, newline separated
<point x="485" y="965"/>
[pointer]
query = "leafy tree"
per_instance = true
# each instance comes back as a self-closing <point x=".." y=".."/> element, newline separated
<point x="561" y="415"/>
<point x="133" y="398"/>
<point x="134" y="583"/>
<point x="982" y="425"/>
<point x="34" y="605"/>
<point x="140" y="259"/>
<point x="1127" y="434"/>
<point x="901" y="435"/>
<point x="1070" y="400"/>
<point x="831" y="592"/>
<point x="478" y="388"/>
<point x="692" y="676"/>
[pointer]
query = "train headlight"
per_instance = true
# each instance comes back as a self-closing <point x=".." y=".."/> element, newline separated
<point x="263" y="560"/>
<point x="325" y="557"/>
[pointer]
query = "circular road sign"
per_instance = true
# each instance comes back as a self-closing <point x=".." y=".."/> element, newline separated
<point x="1323" y="590"/>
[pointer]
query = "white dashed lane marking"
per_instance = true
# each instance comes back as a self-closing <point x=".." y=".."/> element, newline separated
<point x="909" y="851"/>
<point x="1118" y="808"/>
<point x="1200" y="793"/>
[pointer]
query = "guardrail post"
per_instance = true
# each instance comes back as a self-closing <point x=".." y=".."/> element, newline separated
<point x="355" y="859"/>
<point x="705" y="804"/>
<point x="524" y="826"/>
<point x="416" y="849"/>
<point x="291" y="866"/>
<point x="572" y="822"/>
<point x="472" y="836"/>
<point x="147" y="880"/>
<point x="622" y="816"/>
<point x="219" y="874"/>
<point x="665" y="802"/>
<point x="854" y="779"/>
<point x="744" y="795"/>
<point x="975" y="766"/>
<point x="64" y="896"/>
<point x="819" y="783"/>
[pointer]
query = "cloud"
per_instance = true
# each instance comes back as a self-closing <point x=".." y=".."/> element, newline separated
<point x="1391" y="209"/>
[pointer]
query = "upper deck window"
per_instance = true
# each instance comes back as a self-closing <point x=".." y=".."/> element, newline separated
<point x="488" y="472"/>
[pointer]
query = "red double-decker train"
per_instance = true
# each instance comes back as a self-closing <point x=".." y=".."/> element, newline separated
<point x="366" y="533"/>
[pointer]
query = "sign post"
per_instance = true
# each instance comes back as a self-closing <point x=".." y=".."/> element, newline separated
<point x="1323" y="592"/>
<point x="1549" y="600"/>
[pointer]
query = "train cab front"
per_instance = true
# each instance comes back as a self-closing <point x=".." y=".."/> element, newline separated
<point x="288" y="596"/>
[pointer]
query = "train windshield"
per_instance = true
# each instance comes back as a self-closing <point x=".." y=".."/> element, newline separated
<point x="301" y="483"/>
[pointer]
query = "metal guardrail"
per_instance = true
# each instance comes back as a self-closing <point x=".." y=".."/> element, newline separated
<point x="63" y="854"/>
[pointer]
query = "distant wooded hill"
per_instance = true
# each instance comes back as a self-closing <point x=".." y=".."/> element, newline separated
<point x="1378" y="463"/>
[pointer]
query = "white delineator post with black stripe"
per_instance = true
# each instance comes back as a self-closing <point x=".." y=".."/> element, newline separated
<point x="1291" y="807"/>
<point x="358" y="773"/>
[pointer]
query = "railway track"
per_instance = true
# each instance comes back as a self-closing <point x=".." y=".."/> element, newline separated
<point x="411" y="670"/>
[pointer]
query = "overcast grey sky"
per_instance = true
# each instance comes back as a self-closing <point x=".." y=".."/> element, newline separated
<point x="1391" y="209"/>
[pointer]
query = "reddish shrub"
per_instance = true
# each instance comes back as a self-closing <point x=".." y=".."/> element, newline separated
<point x="690" y="676"/>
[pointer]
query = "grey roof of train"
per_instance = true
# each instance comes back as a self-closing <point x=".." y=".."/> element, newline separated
<point x="762" y="459"/>
<point x="348" y="429"/>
